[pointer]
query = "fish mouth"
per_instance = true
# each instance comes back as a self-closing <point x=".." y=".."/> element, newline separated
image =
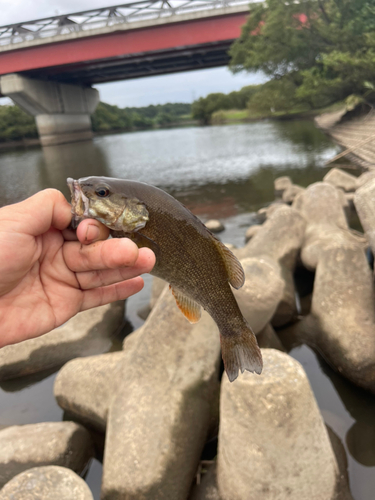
<point x="80" y="202"/>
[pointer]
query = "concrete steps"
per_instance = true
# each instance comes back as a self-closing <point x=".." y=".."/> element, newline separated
<point x="358" y="134"/>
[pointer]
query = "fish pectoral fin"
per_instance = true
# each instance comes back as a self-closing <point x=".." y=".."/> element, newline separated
<point x="236" y="274"/>
<point x="189" y="308"/>
<point x="143" y="241"/>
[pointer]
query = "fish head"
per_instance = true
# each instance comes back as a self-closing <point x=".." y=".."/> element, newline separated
<point x="102" y="199"/>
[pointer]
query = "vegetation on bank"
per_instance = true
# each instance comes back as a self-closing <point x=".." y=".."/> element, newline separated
<point x="110" y="118"/>
<point x="16" y="124"/>
<point x="315" y="53"/>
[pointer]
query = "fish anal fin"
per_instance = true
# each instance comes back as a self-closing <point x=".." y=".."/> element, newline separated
<point x="240" y="352"/>
<point x="236" y="274"/>
<point x="189" y="308"/>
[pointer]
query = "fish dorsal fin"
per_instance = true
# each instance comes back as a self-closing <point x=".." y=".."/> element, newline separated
<point x="234" y="269"/>
<point x="190" y="309"/>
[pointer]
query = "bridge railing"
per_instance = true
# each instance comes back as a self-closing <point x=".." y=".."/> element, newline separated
<point x="106" y="17"/>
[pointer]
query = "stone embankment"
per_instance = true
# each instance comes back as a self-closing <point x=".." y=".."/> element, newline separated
<point x="163" y="400"/>
<point x="356" y="136"/>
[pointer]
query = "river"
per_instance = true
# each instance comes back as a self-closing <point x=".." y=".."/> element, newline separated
<point x="224" y="172"/>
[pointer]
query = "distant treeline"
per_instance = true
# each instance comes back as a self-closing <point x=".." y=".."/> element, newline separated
<point x="273" y="98"/>
<point x="16" y="124"/>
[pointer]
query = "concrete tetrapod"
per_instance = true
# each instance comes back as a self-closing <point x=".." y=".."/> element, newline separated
<point x="46" y="483"/>
<point x="291" y="192"/>
<point x="49" y="443"/>
<point x="281" y="184"/>
<point x="321" y="203"/>
<point x="341" y="179"/>
<point x="321" y="237"/>
<point x="261" y="293"/>
<point x="341" y="324"/>
<point x="158" y="421"/>
<point x="273" y="443"/>
<point x="85" y="387"/>
<point x="88" y="333"/>
<point x="364" y="201"/>
<point x="278" y="240"/>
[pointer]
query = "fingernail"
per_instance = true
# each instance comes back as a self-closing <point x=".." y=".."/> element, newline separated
<point x="92" y="233"/>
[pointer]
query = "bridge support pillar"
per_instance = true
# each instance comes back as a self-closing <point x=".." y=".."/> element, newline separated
<point x="62" y="111"/>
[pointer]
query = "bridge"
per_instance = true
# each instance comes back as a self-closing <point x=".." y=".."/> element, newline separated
<point x="48" y="66"/>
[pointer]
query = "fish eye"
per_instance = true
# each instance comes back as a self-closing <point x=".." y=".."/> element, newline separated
<point x="102" y="192"/>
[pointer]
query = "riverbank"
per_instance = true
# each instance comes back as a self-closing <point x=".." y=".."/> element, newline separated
<point x="355" y="132"/>
<point x="232" y="116"/>
<point x="27" y="143"/>
<point x="221" y="117"/>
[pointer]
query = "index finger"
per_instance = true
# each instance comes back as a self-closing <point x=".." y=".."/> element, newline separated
<point x="109" y="254"/>
<point x="91" y="230"/>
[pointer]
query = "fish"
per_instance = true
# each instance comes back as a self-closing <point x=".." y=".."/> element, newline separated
<point x="199" y="268"/>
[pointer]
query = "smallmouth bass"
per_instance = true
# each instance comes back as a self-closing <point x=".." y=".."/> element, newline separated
<point x="198" y="267"/>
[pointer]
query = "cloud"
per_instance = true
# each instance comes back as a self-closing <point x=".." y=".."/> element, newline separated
<point x="178" y="87"/>
<point x="15" y="11"/>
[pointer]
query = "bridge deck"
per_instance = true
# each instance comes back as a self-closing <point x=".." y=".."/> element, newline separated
<point x="183" y="40"/>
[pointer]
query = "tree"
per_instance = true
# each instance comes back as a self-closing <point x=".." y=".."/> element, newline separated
<point x="16" y="124"/>
<point x="274" y="96"/>
<point x="164" y="118"/>
<point x="327" y="47"/>
<point x="204" y="107"/>
<point x="107" y="117"/>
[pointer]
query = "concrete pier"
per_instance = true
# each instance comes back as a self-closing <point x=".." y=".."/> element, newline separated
<point x="62" y="111"/>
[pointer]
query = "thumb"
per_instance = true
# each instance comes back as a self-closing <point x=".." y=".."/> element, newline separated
<point x="37" y="214"/>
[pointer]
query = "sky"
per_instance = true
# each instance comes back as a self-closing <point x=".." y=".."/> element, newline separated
<point x="178" y="87"/>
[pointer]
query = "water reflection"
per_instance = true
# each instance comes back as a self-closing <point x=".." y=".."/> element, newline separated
<point x="299" y="132"/>
<point x="71" y="160"/>
<point x="360" y="438"/>
<point x="230" y="168"/>
<point x="18" y="384"/>
<point x="350" y="412"/>
<point x="32" y="405"/>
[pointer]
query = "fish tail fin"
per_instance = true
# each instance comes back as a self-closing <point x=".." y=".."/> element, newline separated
<point x="240" y="351"/>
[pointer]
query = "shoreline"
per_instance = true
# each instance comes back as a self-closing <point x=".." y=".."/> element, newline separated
<point x="303" y="115"/>
<point x="26" y="143"/>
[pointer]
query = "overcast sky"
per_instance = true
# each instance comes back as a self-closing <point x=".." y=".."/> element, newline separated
<point x="178" y="87"/>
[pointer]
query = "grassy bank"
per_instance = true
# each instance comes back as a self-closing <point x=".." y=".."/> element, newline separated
<point x="231" y="116"/>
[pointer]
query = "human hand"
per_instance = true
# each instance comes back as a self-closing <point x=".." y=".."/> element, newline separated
<point x="48" y="274"/>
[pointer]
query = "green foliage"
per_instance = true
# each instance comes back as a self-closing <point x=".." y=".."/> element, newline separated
<point x="141" y="121"/>
<point x="107" y="117"/>
<point x="326" y="46"/>
<point x="274" y="96"/>
<point x="164" y="118"/>
<point x="175" y="109"/>
<point x="203" y="108"/>
<point x="219" y="117"/>
<point x="15" y="124"/>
